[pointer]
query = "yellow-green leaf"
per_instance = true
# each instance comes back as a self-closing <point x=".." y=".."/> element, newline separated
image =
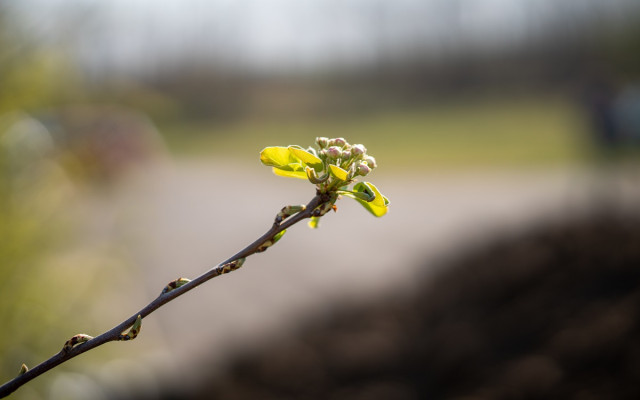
<point x="379" y="205"/>
<point x="338" y="172"/>
<point x="290" y="173"/>
<point x="358" y="195"/>
<point x="313" y="222"/>
<point x="307" y="158"/>
<point x="278" y="157"/>
<point x="278" y="236"/>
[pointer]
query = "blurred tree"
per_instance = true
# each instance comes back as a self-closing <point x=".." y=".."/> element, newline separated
<point x="32" y="75"/>
<point x="34" y="192"/>
<point x="30" y="228"/>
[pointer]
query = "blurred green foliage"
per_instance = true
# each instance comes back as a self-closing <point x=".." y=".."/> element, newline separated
<point x="42" y="290"/>
<point x="32" y="75"/>
<point x="50" y="277"/>
<point x="30" y="230"/>
<point x="483" y="131"/>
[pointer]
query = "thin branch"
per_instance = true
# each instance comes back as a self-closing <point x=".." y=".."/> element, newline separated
<point x="71" y="350"/>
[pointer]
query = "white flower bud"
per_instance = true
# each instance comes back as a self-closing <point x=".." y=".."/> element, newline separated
<point x="322" y="142"/>
<point x="371" y="162"/>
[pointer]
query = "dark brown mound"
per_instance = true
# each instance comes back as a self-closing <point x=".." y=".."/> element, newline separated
<point x="552" y="314"/>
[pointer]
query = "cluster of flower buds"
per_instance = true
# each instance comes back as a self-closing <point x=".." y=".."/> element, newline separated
<point x="352" y="158"/>
<point x="333" y="166"/>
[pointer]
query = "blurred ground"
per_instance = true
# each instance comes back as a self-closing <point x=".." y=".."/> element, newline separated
<point x="551" y="314"/>
<point x="179" y="219"/>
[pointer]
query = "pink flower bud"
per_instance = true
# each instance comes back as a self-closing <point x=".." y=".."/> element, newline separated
<point x="363" y="169"/>
<point x="340" y="142"/>
<point x="334" y="152"/>
<point x="358" y="150"/>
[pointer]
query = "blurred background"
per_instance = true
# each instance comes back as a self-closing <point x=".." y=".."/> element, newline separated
<point x="129" y="142"/>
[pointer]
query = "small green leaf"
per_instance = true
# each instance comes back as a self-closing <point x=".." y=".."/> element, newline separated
<point x="307" y="158"/>
<point x="137" y="324"/>
<point x="338" y="172"/>
<point x="278" y="236"/>
<point x="313" y="222"/>
<point x="378" y="206"/>
<point x="278" y="157"/>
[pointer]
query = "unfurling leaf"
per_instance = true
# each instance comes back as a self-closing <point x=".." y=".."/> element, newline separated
<point x="313" y="222"/>
<point x="368" y="197"/>
<point x="313" y="177"/>
<point x="133" y="332"/>
<point x="306" y="157"/>
<point x="339" y="172"/>
<point x="378" y="206"/>
<point x="75" y="340"/>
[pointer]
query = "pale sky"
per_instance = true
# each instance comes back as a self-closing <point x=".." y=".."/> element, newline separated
<point x="288" y="34"/>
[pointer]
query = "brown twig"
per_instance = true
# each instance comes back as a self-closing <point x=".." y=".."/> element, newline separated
<point x="114" y="334"/>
